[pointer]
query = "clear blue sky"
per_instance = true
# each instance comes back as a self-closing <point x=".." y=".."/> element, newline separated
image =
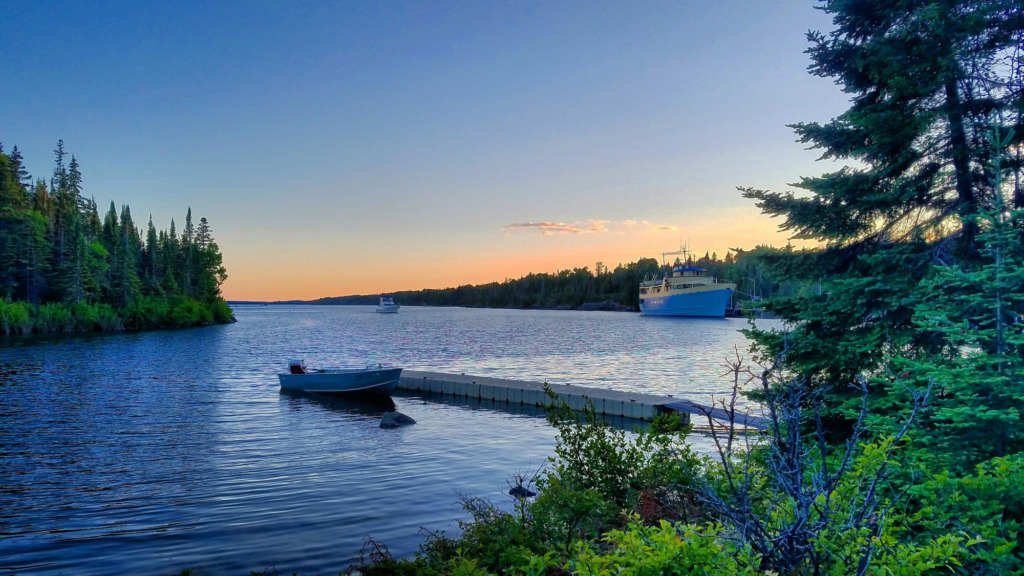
<point x="357" y="147"/>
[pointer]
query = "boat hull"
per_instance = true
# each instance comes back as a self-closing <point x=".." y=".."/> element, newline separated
<point x="699" y="304"/>
<point x="354" y="382"/>
<point x="388" y="309"/>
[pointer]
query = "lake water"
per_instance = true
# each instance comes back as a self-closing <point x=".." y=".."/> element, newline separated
<point x="155" y="452"/>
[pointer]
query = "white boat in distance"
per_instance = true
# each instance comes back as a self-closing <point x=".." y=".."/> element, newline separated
<point x="379" y="380"/>
<point x="387" y="306"/>
<point x="684" y="290"/>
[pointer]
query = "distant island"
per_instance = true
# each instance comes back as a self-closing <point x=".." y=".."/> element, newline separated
<point x="585" y="289"/>
<point x="64" y="268"/>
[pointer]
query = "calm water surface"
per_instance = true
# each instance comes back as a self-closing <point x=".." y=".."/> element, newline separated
<point x="151" y="453"/>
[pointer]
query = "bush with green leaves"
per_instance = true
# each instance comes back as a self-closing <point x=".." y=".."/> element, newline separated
<point x="15" y="317"/>
<point x="986" y="506"/>
<point x="617" y="465"/>
<point x="664" y="549"/>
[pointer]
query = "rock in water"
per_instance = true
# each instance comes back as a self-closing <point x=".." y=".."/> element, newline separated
<point x="395" y="419"/>
<point x="520" y="492"/>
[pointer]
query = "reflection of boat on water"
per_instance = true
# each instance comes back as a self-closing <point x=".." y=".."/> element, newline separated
<point x="373" y="406"/>
<point x="379" y="380"/>
<point x="684" y="290"/>
<point x="387" y="306"/>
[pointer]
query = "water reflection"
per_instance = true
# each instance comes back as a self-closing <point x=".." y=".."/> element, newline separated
<point x="374" y="407"/>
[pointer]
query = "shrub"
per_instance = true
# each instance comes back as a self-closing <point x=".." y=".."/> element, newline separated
<point x="107" y="318"/>
<point x="148" y="312"/>
<point x="15" y="317"/>
<point x="591" y="455"/>
<point x="53" y="317"/>
<point x="85" y="317"/>
<point x="665" y="549"/>
<point x="987" y="505"/>
<point x="187" y="312"/>
<point x="221" y="312"/>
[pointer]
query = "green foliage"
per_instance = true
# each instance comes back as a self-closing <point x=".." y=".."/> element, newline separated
<point x="86" y="273"/>
<point x="974" y="312"/>
<point x="565" y="515"/>
<point x="149" y="311"/>
<point x="108" y="319"/>
<point x="53" y="318"/>
<point x="188" y="312"/>
<point x="15" y="317"/>
<point x="86" y="317"/>
<point x="664" y="549"/>
<point x="221" y="312"/>
<point x="591" y="455"/>
<point x="987" y="505"/>
<point x="601" y="290"/>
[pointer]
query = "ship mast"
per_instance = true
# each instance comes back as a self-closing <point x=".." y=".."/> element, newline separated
<point x="682" y="250"/>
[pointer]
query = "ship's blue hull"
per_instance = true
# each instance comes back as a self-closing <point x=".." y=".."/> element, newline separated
<point x="706" y="303"/>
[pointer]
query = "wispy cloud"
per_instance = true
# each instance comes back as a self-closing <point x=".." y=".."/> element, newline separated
<point x="548" y="228"/>
<point x="646" y="225"/>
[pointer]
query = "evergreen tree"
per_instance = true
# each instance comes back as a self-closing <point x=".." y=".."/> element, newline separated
<point x="927" y="81"/>
<point x="34" y="263"/>
<point x="56" y="250"/>
<point x="65" y="208"/>
<point x="188" y="250"/>
<point x="169" y="257"/>
<point x="129" y="285"/>
<point x="74" y="180"/>
<point x="976" y="310"/>
<point x="150" y="259"/>
<point x="113" y="278"/>
<point x="71" y="277"/>
<point x="211" y="273"/>
<point x="18" y="169"/>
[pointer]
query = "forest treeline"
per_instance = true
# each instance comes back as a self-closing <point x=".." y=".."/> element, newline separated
<point x="598" y="289"/>
<point x="66" y="268"/>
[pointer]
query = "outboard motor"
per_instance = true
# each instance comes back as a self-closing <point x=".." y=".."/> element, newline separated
<point x="297" y="366"/>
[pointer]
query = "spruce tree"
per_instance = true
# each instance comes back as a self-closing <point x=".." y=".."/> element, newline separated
<point x="976" y="310"/>
<point x="927" y="81"/>
<point x="188" y="250"/>
<point x="211" y="272"/>
<point x="150" y="258"/>
<point x="18" y="170"/>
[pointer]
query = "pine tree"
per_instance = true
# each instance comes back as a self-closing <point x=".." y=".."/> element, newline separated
<point x="211" y="272"/>
<point x="976" y="310"/>
<point x="928" y="80"/>
<point x="18" y="170"/>
<point x="188" y="250"/>
<point x="55" y="249"/>
<point x="129" y="285"/>
<point x="113" y="279"/>
<point x="169" y="257"/>
<point x="150" y="258"/>
<point x="65" y="207"/>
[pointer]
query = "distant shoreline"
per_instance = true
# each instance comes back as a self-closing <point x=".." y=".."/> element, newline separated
<point x="586" y="307"/>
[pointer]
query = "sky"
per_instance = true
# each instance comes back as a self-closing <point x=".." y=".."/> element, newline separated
<point x="363" y="147"/>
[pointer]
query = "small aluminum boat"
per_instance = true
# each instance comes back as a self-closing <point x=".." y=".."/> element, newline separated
<point x="376" y="380"/>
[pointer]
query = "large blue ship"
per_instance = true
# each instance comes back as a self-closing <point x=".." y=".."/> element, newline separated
<point x="685" y="290"/>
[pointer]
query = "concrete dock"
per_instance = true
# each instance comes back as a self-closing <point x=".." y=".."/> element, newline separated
<point x="525" y="393"/>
